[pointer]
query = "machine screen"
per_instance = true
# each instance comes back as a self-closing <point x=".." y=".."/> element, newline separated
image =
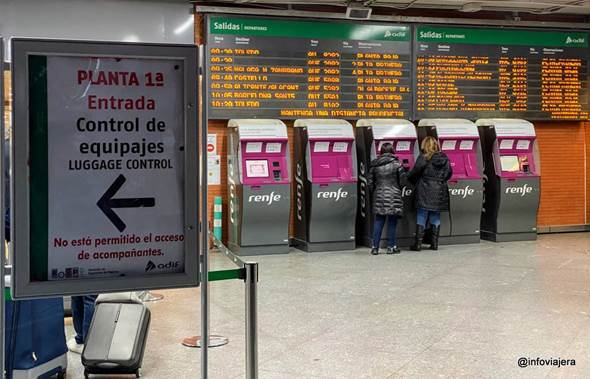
<point x="321" y="147"/>
<point x="506" y="144"/>
<point x="273" y="147"/>
<point x="449" y="145"/>
<point x="510" y="163"/>
<point x="257" y="168"/>
<point x="340" y="147"/>
<point x="523" y="144"/>
<point x="466" y="145"/>
<point x="254" y="147"/>
<point x="403" y="146"/>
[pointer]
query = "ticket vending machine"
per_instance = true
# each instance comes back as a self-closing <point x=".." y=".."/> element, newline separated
<point x="459" y="140"/>
<point x="512" y="187"/>
<point x="259" y="187"/>
<point x="370" y="135"/>
<point x="325" y="179"/>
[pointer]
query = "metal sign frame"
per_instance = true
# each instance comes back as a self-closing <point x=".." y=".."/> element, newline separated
<point x="3" y="210"/>
<point x="23" y="286"/>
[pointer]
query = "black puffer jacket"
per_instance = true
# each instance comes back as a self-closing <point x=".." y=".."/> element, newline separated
<point x="386" y="180"/>
<point x="430" y="178"/>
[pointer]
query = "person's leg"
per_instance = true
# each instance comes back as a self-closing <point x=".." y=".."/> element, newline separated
<point x="434" y="218"/>
<point x="422" y="216"/>
<point x="392" y="235"/>
<point x="88" y="313"/>
<point x="78" y="317"/>
<point x="435" y="222"/>
<point x="377" y="230"/>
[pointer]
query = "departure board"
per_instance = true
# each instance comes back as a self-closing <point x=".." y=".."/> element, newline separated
<point x="289" y="69"/>
<point x="487" y="72"/>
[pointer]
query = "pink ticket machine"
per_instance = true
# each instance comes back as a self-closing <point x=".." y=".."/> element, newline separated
<point x="325" y="179"/>
<point x="371" y="134"/>
<point x="259" y="187"/>
<point x="513" y="173"/>
<point x="459" y="140"/>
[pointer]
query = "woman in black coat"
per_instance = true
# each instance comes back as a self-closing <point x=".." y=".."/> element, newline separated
<point x="386" y="179"/>
<point x="430" y="175"/>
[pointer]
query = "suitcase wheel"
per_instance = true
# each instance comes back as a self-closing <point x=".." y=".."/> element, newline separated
<point x="62" y="375"/>
<point x="138" y="373"/>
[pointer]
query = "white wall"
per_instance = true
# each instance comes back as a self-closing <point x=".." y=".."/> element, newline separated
<point x="163" y="21"/>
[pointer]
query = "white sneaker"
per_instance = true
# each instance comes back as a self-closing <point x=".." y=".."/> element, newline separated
<point x="74" y="346"/>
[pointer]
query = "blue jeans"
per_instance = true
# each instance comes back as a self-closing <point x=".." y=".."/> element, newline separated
<point x="82" y="312"/>
<point x="391" y="229"/>
<point x="424" y="216"/>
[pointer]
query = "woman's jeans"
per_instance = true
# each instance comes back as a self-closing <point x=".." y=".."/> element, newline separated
<point x="424" y="216"/>
<point x="391" y="229"/>
<point x="82" y="312"/>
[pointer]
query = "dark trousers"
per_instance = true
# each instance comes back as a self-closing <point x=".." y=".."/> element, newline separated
<point x="82" y="312"/>
<point x="391" y="229"/>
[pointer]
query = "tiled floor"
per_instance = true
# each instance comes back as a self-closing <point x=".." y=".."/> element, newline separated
<point x="465" y="311"/>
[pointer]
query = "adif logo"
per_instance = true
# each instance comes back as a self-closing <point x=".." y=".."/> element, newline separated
<point x="574" y="40"/>
<point x="162" y="266"/>
<point x="522" y="191"/>
<point x="150" y="266"/>
<point x="389" y="33"/>
<point x="299" y="180"/>
<point x="268" y="199"/>
<point x="363" y="189"/>
<point x="340" y="194"/>
<point x="462" y="192"/>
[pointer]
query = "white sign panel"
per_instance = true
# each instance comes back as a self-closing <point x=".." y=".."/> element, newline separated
<point x="213" y="170"/>
<point x="340" y="147"/>
<point x="115" y="195"/>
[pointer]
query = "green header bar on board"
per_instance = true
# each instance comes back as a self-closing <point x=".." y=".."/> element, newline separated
<point x="491" y="36"/>
<point x="264" y="27"/>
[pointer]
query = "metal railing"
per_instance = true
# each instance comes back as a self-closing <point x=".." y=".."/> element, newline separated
<point x="247" y="271"/>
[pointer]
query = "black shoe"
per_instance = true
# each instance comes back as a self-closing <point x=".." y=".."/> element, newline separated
<point x="393" y="250"/>
<point x="417" y="246"/>
<point x="435" y="234"/>
<point x="375" y="251"/>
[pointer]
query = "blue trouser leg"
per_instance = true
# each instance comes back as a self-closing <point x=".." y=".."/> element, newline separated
<point x="422" y="217"/>
<point x="378" y="229"/>
<point x="78" y="317"/>
<point x="391" y="230"/>
<point x="82" y="312"/>
<point x="434" y="218"/>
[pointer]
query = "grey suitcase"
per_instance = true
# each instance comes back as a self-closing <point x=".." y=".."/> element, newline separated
<point x="116" y="340"/>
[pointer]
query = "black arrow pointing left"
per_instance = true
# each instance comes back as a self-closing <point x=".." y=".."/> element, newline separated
<point x="106" y="203"/>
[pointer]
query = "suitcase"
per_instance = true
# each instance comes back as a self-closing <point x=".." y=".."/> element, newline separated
<point x="116" y="340"/>
<point x="35" y="339"/>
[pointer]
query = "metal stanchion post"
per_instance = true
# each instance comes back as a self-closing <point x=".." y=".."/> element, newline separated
<point x="251" y="321"/>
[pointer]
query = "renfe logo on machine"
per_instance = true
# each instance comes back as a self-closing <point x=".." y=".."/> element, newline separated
<point x="406" y="191"/>
<point x="522" y="191"/>
<point x="463" y="192"/>
<point x="299" y="180"/>
<point x="363" y="189"/>
<point x="340" y="194"/>
<point x="268" y="199"/>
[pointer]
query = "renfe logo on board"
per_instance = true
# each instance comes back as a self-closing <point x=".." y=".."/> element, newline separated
<point x="522" y="191"/>
<point x="268" y="199"/>
<point x="337" y="195"/>
<point x="462" y="192"/>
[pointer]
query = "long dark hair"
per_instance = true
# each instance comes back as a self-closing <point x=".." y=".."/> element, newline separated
<point x="387" y="148"/>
